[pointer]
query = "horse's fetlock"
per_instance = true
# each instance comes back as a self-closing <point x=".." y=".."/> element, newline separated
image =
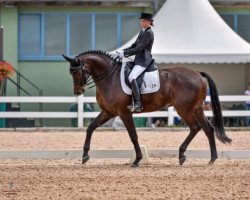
<point x="182" y="149"/>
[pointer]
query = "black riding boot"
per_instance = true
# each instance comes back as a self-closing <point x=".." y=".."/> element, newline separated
<point x="137" y="97"/>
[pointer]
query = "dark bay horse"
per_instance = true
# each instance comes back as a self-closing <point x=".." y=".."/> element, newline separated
<point x="181" y="87"/>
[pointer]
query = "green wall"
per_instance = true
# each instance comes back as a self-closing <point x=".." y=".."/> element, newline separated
<point x="54" y="79"/>
<point x="51" y="76"/>
<point x="9" y="20"/>
<point x="81" y="8"/>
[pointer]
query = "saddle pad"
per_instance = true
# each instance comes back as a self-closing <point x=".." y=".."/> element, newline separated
<point x="151" y="82"/>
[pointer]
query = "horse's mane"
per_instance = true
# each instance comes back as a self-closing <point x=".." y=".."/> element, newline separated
<point x="100" y="53"/>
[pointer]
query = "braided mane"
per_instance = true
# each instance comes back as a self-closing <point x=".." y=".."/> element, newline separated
<point x="99" y="52"/>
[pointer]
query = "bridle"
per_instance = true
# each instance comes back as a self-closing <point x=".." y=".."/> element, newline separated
<point x="73" y="70"/>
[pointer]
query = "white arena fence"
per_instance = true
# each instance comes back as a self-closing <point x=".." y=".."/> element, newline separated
<point x="80" y="114"/>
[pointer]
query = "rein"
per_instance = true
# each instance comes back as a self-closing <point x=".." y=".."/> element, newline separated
<point x="98" y="80"/>
<point x="107" y="75"/>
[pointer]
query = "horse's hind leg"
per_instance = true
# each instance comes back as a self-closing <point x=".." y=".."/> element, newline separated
<point x="98" y="121"/>
<point x="194" y="129"/>
<point x="209" y="131"/>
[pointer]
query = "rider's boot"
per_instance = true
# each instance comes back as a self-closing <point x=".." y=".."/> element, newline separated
<point x="137" y="97"/>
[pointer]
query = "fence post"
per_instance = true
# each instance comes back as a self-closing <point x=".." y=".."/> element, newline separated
<point x="80" y="111"/>
<point x="170" y="116"/>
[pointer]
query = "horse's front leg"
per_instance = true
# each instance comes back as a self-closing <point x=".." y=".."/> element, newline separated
<point x="127" y="119"/>
<point x="98" y="121"/>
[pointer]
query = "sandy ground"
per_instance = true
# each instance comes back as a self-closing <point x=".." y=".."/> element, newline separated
<point x="116" y="140"/>
<point x="114" y="178"/>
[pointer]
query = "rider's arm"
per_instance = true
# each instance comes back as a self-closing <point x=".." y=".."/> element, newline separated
<point x="146" y="38"/>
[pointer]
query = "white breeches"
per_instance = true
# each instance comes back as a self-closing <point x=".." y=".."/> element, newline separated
<point x="136" y="71"/>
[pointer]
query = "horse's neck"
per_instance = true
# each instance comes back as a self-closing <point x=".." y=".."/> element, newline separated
<point x="106" y="76"/>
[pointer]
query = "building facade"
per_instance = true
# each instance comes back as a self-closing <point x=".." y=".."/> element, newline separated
<point x="36" y="33"/>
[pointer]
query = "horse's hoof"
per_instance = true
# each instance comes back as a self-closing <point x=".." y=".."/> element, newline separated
<point x="182" y="160"/>
<point x="85" y="159"/>
<point x="134" y="165"/>
<point x="212" y="161"/>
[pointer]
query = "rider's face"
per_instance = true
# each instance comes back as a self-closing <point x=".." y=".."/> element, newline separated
<point x="145" y="23"/>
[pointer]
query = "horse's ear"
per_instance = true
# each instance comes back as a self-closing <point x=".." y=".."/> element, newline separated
<point x="68" y="58"/>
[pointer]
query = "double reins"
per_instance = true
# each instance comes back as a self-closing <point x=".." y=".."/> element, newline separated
<point x="106" y="75"/>
<point x="99" y="79"/>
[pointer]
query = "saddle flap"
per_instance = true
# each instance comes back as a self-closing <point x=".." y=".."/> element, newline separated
<point x="151" y="82"/>
<point x="128" y="68"/>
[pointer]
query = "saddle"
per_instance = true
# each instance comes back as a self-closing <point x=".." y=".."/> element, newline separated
<point x="128" y="68"/>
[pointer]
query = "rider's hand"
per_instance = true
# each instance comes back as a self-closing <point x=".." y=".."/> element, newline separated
<point x="120" y="54"/>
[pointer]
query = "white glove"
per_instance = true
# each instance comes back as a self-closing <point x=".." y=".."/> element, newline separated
<point x="120" y="54"/>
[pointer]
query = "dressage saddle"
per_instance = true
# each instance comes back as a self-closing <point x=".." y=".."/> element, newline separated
<point x="128" y="68"/>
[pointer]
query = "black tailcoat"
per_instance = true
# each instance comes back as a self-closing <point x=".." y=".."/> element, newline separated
<point x="142" y="48"/>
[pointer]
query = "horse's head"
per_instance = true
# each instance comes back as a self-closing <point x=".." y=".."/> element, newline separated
<point x="79" y="74"/>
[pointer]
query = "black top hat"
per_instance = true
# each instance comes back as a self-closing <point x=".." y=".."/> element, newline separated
<point x="146" y="16"/>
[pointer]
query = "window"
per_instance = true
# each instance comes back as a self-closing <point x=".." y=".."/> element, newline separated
<point x="129" y="27"/>
<point x="239" y="23"/>
<point x="229" y="19"/>
<point x="54" y="34"/>
<point x="106" y="32"/>
<point x="45" y="36"/>
<point x="80" y="33"/>
<point x="29" y="35"/>
<point x="243" y="26"/>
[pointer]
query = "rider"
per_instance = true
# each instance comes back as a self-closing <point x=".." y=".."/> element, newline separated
<point x="141" y="48"/>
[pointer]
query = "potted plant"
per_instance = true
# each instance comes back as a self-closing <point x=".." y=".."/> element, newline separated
<point x="6" y="71"/>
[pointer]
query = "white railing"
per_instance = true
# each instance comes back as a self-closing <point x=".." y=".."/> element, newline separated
<point x="80" y="100"/>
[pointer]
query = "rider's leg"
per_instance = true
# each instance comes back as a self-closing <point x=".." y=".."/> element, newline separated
<point x="136" y="71"/>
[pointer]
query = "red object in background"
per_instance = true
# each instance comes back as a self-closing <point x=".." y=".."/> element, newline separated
<point x="6" y="70"/>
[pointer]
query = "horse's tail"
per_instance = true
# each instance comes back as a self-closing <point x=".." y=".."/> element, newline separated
<point x="218" y="119"/>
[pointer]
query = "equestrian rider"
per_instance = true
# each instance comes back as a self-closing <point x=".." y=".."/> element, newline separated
<point x="141" y="48"/>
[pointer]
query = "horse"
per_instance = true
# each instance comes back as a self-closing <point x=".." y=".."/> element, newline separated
<point x="180" y="87"/>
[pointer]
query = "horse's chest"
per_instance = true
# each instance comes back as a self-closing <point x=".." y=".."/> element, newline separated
<point x="105" y="100"/>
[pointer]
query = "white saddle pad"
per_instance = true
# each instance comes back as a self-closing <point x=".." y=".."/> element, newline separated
<point x="150" y="84"/>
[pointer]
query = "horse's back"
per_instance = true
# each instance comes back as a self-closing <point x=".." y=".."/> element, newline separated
<point x="186" y="85"/>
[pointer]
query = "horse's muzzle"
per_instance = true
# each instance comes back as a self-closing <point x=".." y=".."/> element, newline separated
<point x="79" y="91"/>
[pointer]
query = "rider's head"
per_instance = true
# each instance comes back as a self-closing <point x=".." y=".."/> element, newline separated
<point x="146" y="20"/>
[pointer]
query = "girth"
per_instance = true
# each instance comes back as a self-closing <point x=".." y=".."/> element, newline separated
<point x="128" y="68"/>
